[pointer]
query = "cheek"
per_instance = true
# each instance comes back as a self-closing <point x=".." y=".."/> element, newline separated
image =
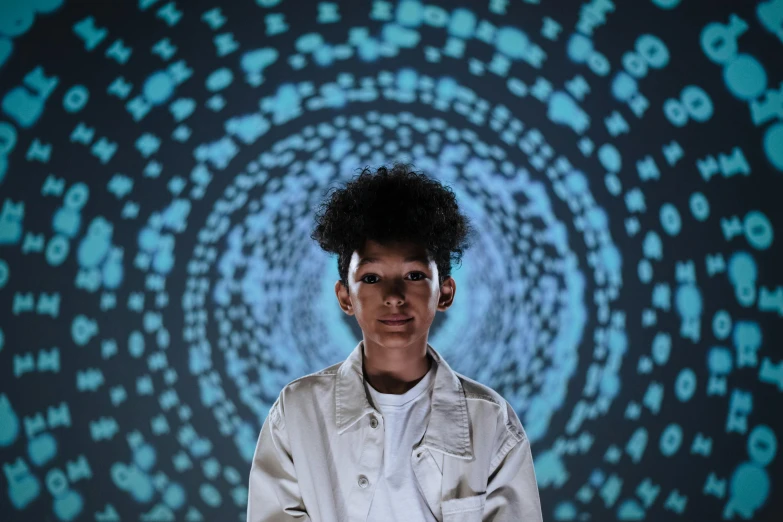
<point x="356" y="304"/>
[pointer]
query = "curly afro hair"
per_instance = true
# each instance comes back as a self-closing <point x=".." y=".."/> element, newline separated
<point x="392" y="205"/>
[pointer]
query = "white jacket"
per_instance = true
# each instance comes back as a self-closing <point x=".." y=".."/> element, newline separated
<point x="320" y="451"/>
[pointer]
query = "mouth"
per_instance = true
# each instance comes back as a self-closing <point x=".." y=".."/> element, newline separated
<point x="397" y="323"/>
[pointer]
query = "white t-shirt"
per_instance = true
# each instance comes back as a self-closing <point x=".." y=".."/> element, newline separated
<point x="397" y="497"/>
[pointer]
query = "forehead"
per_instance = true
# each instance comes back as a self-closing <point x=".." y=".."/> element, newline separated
<point x="392" y="252"/>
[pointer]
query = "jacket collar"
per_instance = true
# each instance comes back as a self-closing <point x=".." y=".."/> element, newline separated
<point x="447" y="429"/>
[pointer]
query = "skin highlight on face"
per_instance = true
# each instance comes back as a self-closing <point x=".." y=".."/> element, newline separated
<point x="394" y="278"/>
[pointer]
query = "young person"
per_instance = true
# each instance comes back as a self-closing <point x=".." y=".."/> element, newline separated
<point x="392" y="433"/>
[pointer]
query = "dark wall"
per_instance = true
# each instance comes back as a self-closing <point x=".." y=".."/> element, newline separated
<point x="160" y="162"/>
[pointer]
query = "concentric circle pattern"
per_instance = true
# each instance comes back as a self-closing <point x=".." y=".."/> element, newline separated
<point x="160" y="163"/>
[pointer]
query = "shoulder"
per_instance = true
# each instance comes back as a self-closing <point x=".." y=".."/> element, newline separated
<point x="326" y="373"/>
<point x="489" y="398"/>
<point x="304" y="387"/>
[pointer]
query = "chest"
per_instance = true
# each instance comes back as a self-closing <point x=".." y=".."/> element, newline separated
<point x="340" y="471"/>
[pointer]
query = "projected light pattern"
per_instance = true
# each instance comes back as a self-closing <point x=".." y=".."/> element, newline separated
<point x="159" y="167"/>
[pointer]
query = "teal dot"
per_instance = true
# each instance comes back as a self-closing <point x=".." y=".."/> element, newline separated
<point x="144" y="457"/>
<point x="308" y="43"/>
<point x="742" y="268"/>
<point x="446" y="88"/>
<point x="721" y="324"/>
<point x="68" y="505"/>
<point x="671" y="438"/>
<point x="46" y="6"/>
<point x="597" y="218"/>
<point x="623" y="86"/>
<point x="719" y="360"/>
<point x="661" y="348"/>
<point x="670" y="219"/>
<point x="219" y="79"/>
<point x="758" y="230"/>
<point x="745" y="77"/>
<point x="16" y="18"/>
<point x="565" y="511"/>
<point x="611" y="258"/>
<point x="369" y="50"/>
<point x="42" y="449"/>
<point x="610" y="385"/>
<point x="112" y="274"/>
<point x="210" y="495"/>
<point x="749" y="487"/>
<point x="158" y="88"/>
<point x="685" y="385"/>
<point x="148" y="239"/>
<point x="138" y="484"/>
<point x="697" y="102"/>
<point x="66" y="221"/>
<point x="617" y="341"/>
<point x="409" y="13"/>
<point x="174" y="496"/>
<point x="512" y="42"/>
<point x="407" y="79"/>
<point x="653" y="50"/>
<point x="576" y="182"/>
<point x="462" y="23"/>
<point x="324" y="55"/>
<point x="773" y="145"/>
<point x="163" y="262"/>
<point x="644" y="271"/>
<point x="92" y="250"/>
<point x="762" y="445"/>
<point x="700" y="207"/>
<point x="689" y="302"/>
<point x="579" y="47"/>
<point x="6" y="48"/>
<point x="610" y="157"/>
<point x="746" y="333"/>
<point x="136" y="344"/>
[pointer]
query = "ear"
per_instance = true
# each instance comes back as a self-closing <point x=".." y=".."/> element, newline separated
<point x="447" y="292"/>
<point x="343" y="297"/>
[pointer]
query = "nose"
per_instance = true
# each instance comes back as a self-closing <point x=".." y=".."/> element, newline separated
<point x="395" y="298"/>
<point x="394" y="293"/>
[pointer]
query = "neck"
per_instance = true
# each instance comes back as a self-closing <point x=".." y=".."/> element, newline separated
<point x="394" y="371"/>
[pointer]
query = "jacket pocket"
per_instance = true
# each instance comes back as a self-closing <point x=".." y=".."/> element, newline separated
<point x="467" y="509"/>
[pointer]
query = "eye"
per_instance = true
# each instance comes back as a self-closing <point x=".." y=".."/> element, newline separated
<point x="422" y="274"/>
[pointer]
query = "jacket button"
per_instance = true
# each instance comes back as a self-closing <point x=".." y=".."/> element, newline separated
<point x="373" y="422"/>
<point x="363" y="482"/>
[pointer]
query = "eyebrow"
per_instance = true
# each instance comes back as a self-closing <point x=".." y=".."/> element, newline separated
<point x="367" y="260"/>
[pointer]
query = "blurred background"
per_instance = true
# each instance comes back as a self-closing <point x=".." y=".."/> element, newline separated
<point x="160" y="162"/>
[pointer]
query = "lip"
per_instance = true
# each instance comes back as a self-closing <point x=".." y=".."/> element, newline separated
<point x="396" y="323"/>
<point x="395" y="317"/>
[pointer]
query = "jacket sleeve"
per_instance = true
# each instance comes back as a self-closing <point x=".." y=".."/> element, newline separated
<point x="512" y="489"/>
<point x="273" y="491"/>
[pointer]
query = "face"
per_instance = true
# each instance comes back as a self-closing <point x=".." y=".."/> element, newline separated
<point x="394" y="279"/>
